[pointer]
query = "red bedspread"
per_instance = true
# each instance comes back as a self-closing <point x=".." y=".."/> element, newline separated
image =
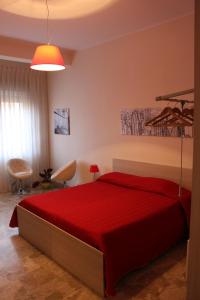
<point x="131" y="220"/>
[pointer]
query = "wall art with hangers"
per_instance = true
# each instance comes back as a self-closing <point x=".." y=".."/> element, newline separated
<point x="167" y="122"/>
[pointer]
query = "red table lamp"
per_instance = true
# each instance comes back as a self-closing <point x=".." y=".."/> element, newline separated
<point x="94" y="169"/>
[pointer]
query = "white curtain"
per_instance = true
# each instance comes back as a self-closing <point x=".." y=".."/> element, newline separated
<point x="23" y="118"/>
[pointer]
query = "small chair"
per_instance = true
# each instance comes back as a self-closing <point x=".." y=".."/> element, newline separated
<point x="65" y="173"/>
<point x="20" y="170"/>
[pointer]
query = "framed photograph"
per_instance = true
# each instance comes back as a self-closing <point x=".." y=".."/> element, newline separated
<point x="62" y="121"/>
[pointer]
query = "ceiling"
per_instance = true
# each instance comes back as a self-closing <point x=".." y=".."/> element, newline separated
<point x="80" y="24"/>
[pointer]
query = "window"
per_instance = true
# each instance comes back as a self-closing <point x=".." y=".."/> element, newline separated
<point x="15" y="130"/>
<point x="23" y="118"/>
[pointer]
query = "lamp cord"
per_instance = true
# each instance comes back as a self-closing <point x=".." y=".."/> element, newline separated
<point x="47" y="25"/>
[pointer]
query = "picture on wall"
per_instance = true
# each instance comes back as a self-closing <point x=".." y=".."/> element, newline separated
<point x="62" y="121"/>
<point x="133" y="123"/>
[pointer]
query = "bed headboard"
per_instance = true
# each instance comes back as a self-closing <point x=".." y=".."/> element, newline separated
<point x="153" y="170"/>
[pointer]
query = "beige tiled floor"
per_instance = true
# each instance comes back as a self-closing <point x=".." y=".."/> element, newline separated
<point x="25" y="273"/>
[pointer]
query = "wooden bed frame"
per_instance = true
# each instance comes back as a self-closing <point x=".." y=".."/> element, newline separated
<point x="80" y="259"/>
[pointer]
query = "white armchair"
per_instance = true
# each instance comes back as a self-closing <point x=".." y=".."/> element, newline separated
<point x="65" y="173"/>
<point x="20" y="170"/>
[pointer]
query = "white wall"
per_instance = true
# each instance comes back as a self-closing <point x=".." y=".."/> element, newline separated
<point x="125" y="73"/>
<point x="193" y="291"/>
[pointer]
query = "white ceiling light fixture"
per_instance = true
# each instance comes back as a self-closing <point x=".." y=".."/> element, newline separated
<point x="47" y="57"/>
<point x="62" y="9"/>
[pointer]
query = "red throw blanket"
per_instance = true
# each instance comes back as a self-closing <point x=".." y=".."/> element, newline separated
<point x="131" y="219"/>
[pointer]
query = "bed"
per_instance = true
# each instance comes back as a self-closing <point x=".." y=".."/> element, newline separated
<point x="102" y="230"/>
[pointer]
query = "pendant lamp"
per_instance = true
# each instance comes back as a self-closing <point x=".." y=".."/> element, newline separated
<point x="47" y="57"/>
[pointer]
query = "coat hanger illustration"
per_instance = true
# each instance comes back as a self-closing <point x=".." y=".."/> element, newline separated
<point x="171" y="117"/>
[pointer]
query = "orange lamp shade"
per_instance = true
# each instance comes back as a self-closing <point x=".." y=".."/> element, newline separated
<point x="47" y="58"/>
<point x="94" y="169"/>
